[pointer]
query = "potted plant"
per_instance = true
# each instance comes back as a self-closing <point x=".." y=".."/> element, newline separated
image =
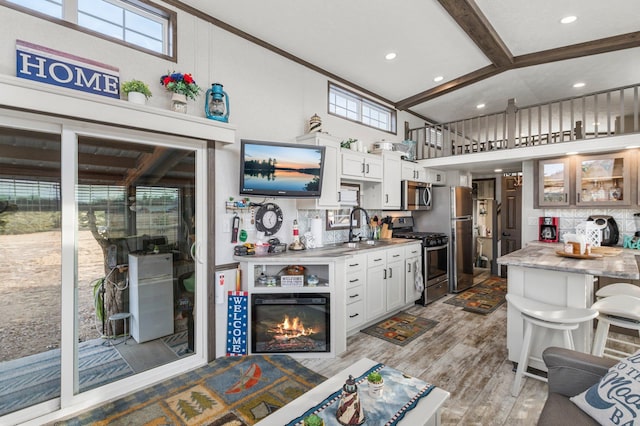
<point x="137" y="91"/>
<point x="349" y="143"/>
<point x="183" y="87"/>
<point x="313" y="420"/>
<point x="376" y="384"/>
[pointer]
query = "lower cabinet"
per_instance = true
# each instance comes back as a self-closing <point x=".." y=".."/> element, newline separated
<point x="355" y="279"/>
<point x="413" y="266"/>
<point x="384" y="290"/>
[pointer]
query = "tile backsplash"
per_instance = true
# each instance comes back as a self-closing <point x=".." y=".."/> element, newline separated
<point x="569" y="218"/>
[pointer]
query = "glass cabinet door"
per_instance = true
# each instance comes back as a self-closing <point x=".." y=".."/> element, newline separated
<point x="553" y="182"/>
<point x="602" y="180"/>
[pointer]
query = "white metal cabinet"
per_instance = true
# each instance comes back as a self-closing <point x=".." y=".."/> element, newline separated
<point x="329" y="199"/>
<point x="413" y="266"/>
<point x="151" y="296"/>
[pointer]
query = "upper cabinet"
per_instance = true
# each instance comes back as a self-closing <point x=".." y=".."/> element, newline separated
<point x="553" y="182"/>
<point x="357" y="165"/>
<point x="386" y="195"/>
<point x="413" y="171"/>
<point x="603" y="180"/>
<point x="329" y="199"/>
<point x="436" y="177"/>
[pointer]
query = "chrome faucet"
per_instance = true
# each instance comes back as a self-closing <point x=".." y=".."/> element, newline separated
<point x="366" y="215"/>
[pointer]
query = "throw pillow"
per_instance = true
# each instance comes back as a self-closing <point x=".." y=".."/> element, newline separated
<point x="615" y="399"/>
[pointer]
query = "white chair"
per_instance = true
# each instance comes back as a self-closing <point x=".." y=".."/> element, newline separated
<point x="535" y="313"/>
<point x="619" y="310"/>
<point x="618" y="289"/>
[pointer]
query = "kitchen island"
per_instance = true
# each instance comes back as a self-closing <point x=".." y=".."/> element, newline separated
<point x="538" y="273"/>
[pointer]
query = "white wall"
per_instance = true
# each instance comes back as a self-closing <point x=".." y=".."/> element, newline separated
<point x="271" y="98"/>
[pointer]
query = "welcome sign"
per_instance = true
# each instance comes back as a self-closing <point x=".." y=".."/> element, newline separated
<point x="51" y="66"/>
<point x="237" y="316"/>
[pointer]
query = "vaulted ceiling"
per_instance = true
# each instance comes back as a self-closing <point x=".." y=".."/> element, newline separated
<point x="487" y="50"/>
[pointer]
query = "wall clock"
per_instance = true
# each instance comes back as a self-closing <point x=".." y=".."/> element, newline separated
<point x="269" y="219"/>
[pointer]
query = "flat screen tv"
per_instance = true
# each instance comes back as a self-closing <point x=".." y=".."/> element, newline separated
<point x="275" y="169"/>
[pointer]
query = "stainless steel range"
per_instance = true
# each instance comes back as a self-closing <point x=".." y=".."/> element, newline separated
<point x="435" y="257"/>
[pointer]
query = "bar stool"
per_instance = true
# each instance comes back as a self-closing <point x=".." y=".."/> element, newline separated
<point x="618" y="289"/>
<point x="619" y="310"/>
<point x="535" y="313"/>
<point x="124" y="316"/>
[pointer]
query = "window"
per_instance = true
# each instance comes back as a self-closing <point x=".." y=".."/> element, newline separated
<point x="132" y="22"/>
<point x="352" y="106"/>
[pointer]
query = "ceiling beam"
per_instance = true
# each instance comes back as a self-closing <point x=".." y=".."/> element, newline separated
<point x="593" y="47"/>
<point x="449" y="86"/>
<point x="472" y="21"/>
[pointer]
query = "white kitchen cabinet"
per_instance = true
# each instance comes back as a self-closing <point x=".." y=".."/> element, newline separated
<point x="413" y="266"/>
<point x="387" y="195"/>
<point x="436" y="177"/>
<point x="395" y="284"/>
<point x="360" y="166"/>
<point x="375" y="293"/>
<point x="151" y="296"/>
<point x="413" y="171"/>
<point x="329" y="199"/>
<point x="356" y="273"/>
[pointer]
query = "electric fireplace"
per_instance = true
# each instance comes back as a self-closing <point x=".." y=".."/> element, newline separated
<point x="290" y="322"/>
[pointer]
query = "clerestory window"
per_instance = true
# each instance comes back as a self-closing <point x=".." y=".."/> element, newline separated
<point x="352" y="106"/>
<point x="135" y="23"/>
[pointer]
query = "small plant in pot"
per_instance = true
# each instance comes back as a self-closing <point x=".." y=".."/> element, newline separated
<point x="313" y="420"/>
<point x="376" y="384"/>
<point x="137" y="91"/>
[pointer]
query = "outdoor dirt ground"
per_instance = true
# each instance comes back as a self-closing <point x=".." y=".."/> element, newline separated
<point x="30" y="282"/>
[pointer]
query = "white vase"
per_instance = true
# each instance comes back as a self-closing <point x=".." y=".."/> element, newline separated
<point x="375" y="389"/>
<point x="137" y="98"/>
<point x="179" y="103"/>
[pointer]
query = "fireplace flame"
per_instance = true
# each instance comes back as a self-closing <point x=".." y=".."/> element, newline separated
<point x="293" y="328"/>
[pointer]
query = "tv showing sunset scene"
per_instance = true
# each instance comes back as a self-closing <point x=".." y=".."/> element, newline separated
<point x="280" y="169"/>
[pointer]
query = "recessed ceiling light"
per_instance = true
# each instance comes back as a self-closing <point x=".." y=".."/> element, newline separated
<point x="390" y="56"/>
<point x="497" y="170"/>
<point x="480" y="106"/>
<point x="572" y="152"/>
<point x="438" y="78"/>
<point x="568" y="19"/>
<point x="631" y="147"/>
<point x="578" y="85"/>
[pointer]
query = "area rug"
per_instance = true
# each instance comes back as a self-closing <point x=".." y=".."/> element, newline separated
<point x="400" y="328"/>
<point x="177" y="343"/>
<point x="483" y="298"/>
<point x="229" y="391"/>
<point x="36" y="378"/>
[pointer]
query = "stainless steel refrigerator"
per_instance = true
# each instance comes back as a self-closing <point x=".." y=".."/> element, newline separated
<point x="452" y="214"/>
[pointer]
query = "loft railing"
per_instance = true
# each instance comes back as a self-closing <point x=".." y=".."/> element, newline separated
<point x="600" y="114"/>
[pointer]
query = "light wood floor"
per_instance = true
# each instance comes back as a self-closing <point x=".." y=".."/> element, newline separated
<point x="465" y="354"/>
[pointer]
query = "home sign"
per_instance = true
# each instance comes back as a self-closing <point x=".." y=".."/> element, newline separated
<point x="50" y="66"/>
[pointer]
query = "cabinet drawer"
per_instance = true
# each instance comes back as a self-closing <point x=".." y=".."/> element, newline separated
<point x="355" y="294"/>
<point x="354" y="280"/>
<point x="376" y="259"/>
<point x="355" y="315"/>
<point x="413" y="250"/>
<point x="396" y="253"/>
<point x="355" y="265"/>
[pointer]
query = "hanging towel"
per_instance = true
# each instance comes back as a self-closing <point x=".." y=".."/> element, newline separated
<point x="419" y="281"/>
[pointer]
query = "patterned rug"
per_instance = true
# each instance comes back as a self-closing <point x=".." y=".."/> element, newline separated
<point x="229" y="391"/>
<point x="400" y="328"/>
<point x="177" y="343"/>
<point x="36" y="378"/>
<point x="483" y="298"/>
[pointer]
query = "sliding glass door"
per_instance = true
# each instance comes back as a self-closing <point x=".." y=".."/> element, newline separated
<point x="98" y="234"/>
<point x="30" y="268"/>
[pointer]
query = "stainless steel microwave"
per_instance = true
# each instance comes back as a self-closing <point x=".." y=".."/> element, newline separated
<point x="416" y="195"/>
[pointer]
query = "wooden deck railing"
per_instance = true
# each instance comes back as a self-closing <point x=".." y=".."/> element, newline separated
<point x="601" y="114"/>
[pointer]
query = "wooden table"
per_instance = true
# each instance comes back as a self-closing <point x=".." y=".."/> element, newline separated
<point x="426" y="412"/>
